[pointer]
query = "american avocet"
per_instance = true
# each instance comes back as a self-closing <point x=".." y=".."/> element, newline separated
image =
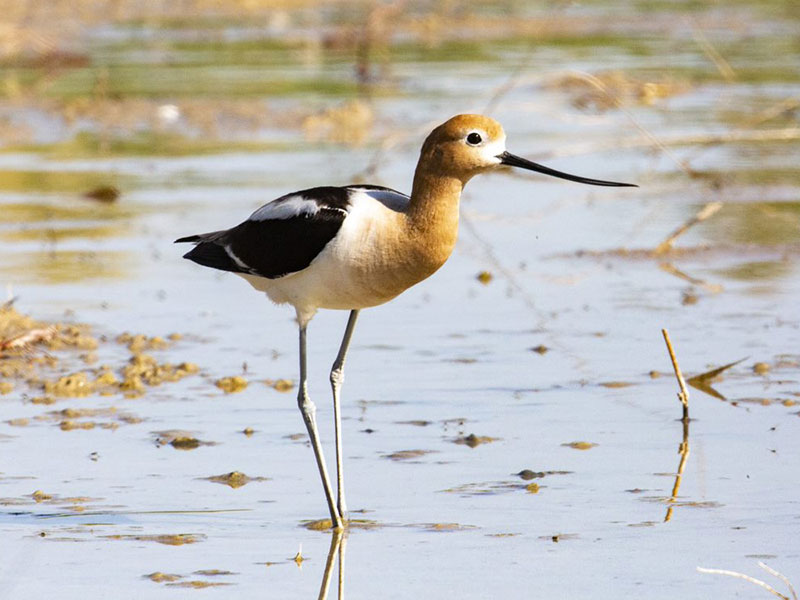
<point x="358" y="246"/>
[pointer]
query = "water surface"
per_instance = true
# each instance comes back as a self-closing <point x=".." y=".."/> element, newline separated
<point x="267" y="106"/>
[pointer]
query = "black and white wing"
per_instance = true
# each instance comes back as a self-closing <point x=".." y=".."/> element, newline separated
<point x="287" y="234"/>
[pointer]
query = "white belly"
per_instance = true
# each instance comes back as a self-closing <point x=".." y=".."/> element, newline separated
<point x="369" y="262"/>
<point x="326" y="283"/>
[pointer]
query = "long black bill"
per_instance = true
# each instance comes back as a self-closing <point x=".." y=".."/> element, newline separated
<point x="509" y="159"/>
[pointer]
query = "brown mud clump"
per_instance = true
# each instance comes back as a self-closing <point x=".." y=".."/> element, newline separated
<point x="137" y="343"/>
<point x="168" y="539"/>
<point x="234" y="479"/>
<point x="485" y="277"/>
<point x="473" y="441"/>
<point x="761" y="368"/>
<point x="280" y="385"/>
<point x="327" y="525"/>
<point x="197" y="584"/>
<point x="76" y="385"/>
<point x="42" y="358"/>
<point x="231" y="385"/>
<point x="40" y="496"/>
<point x="579" y="445"/>
<point x="103" y="193"/>
<point x="143" y="368"/>
<point x="180" y="440"/>
<point x="407" y="455"/>
<point x="160" y="577"/>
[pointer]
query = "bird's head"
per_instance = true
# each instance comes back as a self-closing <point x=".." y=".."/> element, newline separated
<point x="467" y="145"/>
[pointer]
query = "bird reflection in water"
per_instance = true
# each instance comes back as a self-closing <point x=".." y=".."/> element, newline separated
<point x="338" y="544"/>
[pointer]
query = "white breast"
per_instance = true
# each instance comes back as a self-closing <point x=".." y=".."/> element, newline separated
<point x="348" y="273"/>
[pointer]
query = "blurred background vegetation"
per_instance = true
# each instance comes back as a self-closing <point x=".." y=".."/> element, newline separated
<point x="707" y="92"/>
<point x="123" y="76"/>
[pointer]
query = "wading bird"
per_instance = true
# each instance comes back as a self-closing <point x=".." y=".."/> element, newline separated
<point x="358" y="246"/>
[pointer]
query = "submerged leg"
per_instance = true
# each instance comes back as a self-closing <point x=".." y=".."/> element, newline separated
<point x="337" y="378"/>
<point x="308" y="411"/>
<point x="341" y="567"/>
<point x="336" y="539"/>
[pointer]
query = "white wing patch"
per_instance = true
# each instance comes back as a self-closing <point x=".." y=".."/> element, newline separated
<point x="389" y="198"/>
<point x="239" y="262"/>
<point x="296" y="206"/>
<point x="286" y="208"/>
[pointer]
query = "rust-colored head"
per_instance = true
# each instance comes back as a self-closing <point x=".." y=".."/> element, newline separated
<point x="463" y="146"/>
<point x="467" y="145"/>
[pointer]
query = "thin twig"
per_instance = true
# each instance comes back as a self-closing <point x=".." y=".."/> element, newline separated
<point x="769" y="113"/>
<point x="654" y="140"/>
<point x="723" y="66"/>
<point x="707" y="211"/>
<point x="780" y="576"/>
<point x="738" y="575"/>
<point x="683" y="395"/>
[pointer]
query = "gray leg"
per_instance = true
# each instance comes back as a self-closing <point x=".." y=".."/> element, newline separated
<point x="308" y="411"/>
<point x="337" y="378"/>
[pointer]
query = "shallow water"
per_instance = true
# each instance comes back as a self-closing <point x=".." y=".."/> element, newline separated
<point x="571" y="271"/>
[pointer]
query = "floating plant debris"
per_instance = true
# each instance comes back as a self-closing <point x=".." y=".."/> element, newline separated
<point x="407" y="455"/>
<point x="445" y="527"/>
<point x="761" y="368"/>
<point x="168" y="539"/>
<point x="485" y="277"/>
<point x="198" y="585"/>
<point x="180" y="440"/>
<point x="473" y="441"/>
<point x="231" y="385"/>
<point x="281" y="385"/>
<point x="326" y="524"/>
<point x="580" y="445"/>
<point x="528" y="474"/>
<point x="103" y="193"/>
<point x="160" y="577"/>
<point x="37" y="354"/>
<point x="616" y="384"/>
<point x="234" y="479"/>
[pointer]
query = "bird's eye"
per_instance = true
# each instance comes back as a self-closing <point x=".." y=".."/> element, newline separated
<point x="474" y="138"/>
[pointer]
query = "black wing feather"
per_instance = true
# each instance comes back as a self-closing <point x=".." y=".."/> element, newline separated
<point x="273" y="248"/>
<point x="277" y="247"/>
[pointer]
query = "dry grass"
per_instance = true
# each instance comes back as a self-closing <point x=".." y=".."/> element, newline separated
<point x="758" y="582"/>
<point x="683" y="395"/>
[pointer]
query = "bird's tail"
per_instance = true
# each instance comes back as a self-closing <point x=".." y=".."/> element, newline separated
<point x="195" y="239"/>
<point x="209" y="251"/>
<point x="189" y="238"/>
